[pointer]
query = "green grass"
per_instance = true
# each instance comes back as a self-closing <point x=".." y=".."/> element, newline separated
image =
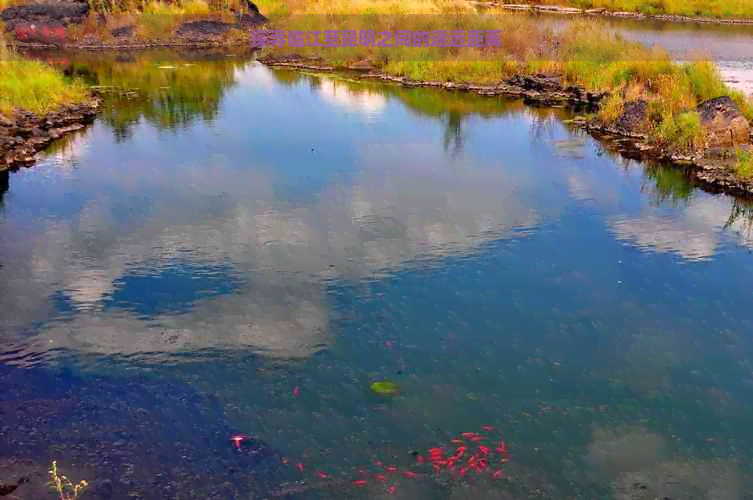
<point x="34" y="86"/>
<point x="720" y="9"/>
<point x="744" y="163"/>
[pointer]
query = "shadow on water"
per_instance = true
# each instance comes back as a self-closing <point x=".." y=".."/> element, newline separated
<point x="4" y="185"/>
<point x="129" y="437"/>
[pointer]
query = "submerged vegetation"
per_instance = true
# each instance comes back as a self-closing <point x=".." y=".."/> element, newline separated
<point x="63" y="486"/>
<point x="34" y="86"/>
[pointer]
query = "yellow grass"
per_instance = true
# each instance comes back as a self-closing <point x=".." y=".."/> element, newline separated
<point x="34" y="86"/>
<point x="722" y="9"/>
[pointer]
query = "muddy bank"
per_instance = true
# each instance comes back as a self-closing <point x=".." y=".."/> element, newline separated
<point x="25" y="134"/>
<point x="555" y="9"/>
<point x="136" y="437"/>
<point x="725" y="127"/>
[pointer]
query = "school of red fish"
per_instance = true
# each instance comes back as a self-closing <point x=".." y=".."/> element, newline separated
<point x="474" y="453"/>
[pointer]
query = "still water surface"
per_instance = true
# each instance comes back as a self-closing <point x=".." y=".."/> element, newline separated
<point x="277" y="240"/>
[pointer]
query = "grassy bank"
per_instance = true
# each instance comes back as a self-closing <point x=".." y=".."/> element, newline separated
<point x="717" y="9"/>
<point x="587" y="54"/>
<point x="34" y="86"/>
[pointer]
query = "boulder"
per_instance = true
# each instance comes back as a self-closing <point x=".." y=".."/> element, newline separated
<point x="723" y="122"/>
<point x="634" y="117"/>
<point x="45" y="13"/>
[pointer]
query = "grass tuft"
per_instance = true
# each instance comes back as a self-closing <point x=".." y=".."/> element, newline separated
<point x="65" y="489"/>
<point x="34" y="86"/>
<point x="744" y="163"/>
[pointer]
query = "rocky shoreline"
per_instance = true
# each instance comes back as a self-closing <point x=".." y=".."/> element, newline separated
<point x="712" y="171"/>
<point x="556" y="9"/>
<point x="25" y="134"/>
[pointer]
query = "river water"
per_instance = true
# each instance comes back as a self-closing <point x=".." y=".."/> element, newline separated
<point x="276" y="241"/>
<point x="729" y="46"/>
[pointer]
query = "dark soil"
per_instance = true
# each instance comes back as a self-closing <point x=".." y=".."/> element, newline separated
<point x="138" y="437"/>
<point x="26" y="134"/>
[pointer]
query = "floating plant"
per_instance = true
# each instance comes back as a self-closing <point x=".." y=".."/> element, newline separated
<point x="384" y="388"/>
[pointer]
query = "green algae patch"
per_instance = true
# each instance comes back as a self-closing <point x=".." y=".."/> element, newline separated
<point x="384" y="388"/>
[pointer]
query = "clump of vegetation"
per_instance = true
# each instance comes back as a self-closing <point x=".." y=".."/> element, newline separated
<point x="384" y="388"/>
<point x="65" y="489"/>
<point x="34" y="86"/>
<point x="744" y="164"/>
<point x="163" y="7"/>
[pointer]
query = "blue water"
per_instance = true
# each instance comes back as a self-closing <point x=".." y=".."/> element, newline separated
<point x="312" y="238"/>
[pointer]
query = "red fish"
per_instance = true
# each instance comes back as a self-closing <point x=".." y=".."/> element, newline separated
<point x="487" y="428"/>
<point x="502" y="448"/>
<point x="391" y="468"/>
<point x="300" y="467"/>
<point x="296" y="391"/>
<point x="321" y="475"/>
<point x="360" y="482"/>
<point x="392" y="489"/>
<point x="484" y="450"/>
<point x="237" y="440"/>
<point x="410" y="474"/>
<point x="380" y="477"/>
<point x="497" y="474"/>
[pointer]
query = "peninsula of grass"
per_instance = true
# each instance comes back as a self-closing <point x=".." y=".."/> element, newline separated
<point x="713" y="9"/>
<point x="33" y="86"/>
<point x="587" y="55"/>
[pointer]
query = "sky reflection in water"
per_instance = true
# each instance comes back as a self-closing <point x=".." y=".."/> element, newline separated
<point x="491" y="262"/>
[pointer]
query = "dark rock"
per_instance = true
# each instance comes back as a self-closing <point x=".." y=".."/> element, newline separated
<point x="122" y="32"/>
<point x="246" y="21"/>
<point x="724" y="123"/>
<point x="634" y="117"/>
<point x="203" y="28"/>
<point x="50" y="14"/>
<point x="28" y="133"/>
<point x="8" y="488"/>
<point x="537" y="83"/>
